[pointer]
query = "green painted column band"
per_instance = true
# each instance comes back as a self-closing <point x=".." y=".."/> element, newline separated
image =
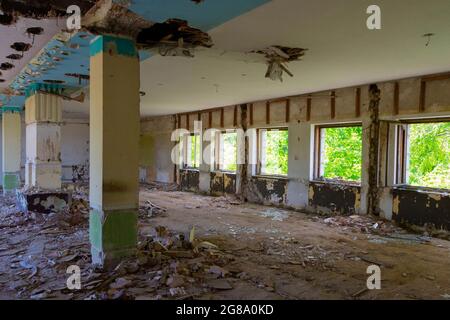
<point x="11" y="181"/>
<point x="4" y="109"/>
<point x="113" y="234"/>
<point x="113" y="45"/>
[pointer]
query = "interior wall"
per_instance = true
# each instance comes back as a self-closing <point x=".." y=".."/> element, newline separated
<point x="155" y="145"/>
<point x="74" y="149"/>
<point x="421" y="97"/>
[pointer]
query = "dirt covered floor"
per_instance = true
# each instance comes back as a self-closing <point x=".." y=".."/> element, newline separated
<point x="198" y="247"/>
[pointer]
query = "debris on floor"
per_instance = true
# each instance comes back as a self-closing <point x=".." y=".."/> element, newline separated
<point x="149" y="210"/>
<point x="263" y="256"/>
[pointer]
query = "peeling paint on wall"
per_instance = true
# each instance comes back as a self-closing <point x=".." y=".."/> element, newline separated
<point x="334" y="198"/>
<point x="422" y="208"/>
<point x="270" y="191"/>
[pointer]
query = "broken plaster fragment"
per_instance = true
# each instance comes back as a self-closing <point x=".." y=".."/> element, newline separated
<point x="173" y="37"/>
<point x="277" y="57"/>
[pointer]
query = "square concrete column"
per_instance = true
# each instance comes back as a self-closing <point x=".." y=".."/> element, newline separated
<point x="11" y="134"/>
<point x="114" y="149"/>
<point x="301" y="154"/>
<point x="43" y="117"/>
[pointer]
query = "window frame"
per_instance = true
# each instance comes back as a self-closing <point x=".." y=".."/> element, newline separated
<point x="187" y="152"/>
<point x="218" y="149"/>
<point x="401" y="155"/>
<point x="318" y="144"/>
<point x="259" y="152"/>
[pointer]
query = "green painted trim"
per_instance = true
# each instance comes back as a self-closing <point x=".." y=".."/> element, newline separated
<point x="44" y="87"/>
<point x="113" y="234"/>
<point x="50" y="88"/>
<point x="11" y="109"/>
<point x="11" y="181"/>
<point x="114" y="45"/>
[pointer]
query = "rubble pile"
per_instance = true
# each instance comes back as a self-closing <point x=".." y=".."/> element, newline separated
<point x="150" y="210"/>
<point x="362" y="224"/>
<point x="160" y="186"/>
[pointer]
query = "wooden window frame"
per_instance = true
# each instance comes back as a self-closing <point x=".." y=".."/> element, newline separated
<point x="401" y="151"/>
<point x="259" y="151"/>
<point x="317" y="158"/>
<point x="187" y="152"/>
<point x="218" y="148"/>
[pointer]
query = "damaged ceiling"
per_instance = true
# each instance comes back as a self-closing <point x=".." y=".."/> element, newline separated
<point x="246" y="34"/>
<point x="341" y="52"/>
<point x="65" y="59"/>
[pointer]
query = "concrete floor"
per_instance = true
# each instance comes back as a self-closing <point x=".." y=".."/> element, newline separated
<point x="241" y="251"/>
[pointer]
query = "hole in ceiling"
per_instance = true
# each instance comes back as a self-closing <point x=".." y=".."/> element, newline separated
<point x="2" y="80"/>
<point x="79" y="76"/>
<point x="14" y="56"/>
<point x="21" y="46"/>
<point x="35" y="31"/>
<point x="6" y="19"/>
<point x="39" y="9"/>
<point x="173" y="37"/>
<point x="6" y="66"/>
<point x="54" y="81"/>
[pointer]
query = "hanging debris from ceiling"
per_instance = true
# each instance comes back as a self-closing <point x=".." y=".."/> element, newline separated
<point x="21" y="47"/>
<point x="277" y="57"/>
<point x="107" y="17"/>
<point x="34" y="31"/>
<point x="14" y="56"/>
<point x="6" y="66"/>
<point x="7" y="19"/>
<point x="173" y="38"/>
<point x="79" y="76"/>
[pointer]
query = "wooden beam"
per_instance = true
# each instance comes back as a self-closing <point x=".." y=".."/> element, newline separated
<point x="441" y="76"/>
<point x="235" y="116"/>
<point x="396" y="98"/>
<point x="333" y="105"/>
<point x="423" y="92"/>
<point x="358" y="103"/>
<point x="199" y="116"/>
<point x="210" y="119"/>
<point x="267" y="112"/>
<point x="288" y="110"/>
<point x="179" y="121"/>
<point x="187" y="122"/>
<point x="251" y="114"/>
<point x="308" y="108"/>
<point x="222" y="116"/>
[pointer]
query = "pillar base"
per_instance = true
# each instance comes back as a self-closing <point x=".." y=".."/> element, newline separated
<point x="43" y="201"/>
<point x="11" y="182"/>
<point x="113" y="236"/>
<point x="46" y="175"/>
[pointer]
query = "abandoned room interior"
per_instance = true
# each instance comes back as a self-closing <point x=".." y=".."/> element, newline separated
<point x="225" y="150"/>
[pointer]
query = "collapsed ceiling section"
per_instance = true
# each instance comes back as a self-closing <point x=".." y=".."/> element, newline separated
<point x="173" y="38"/>
<point x="38" y="9"/>
<point x="277" y="57"/>
<point x="172" y="28"/>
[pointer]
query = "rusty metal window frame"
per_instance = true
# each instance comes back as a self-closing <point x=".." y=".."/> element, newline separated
<point x="259" y="151"/>
<point x="317" y="157"/>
